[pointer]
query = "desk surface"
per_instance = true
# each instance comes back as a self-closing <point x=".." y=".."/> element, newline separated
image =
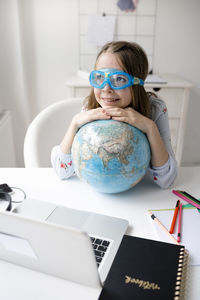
<point x="43" y="184"/>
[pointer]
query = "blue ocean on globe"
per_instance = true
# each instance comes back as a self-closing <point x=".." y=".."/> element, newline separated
<point x="111" y="156"/>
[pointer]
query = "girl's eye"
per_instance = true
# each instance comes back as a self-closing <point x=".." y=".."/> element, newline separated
<point x="121" y="79"/>
<point x="99" y="77"/>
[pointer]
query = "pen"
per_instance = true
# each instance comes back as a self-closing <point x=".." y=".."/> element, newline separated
<point x="179" y="224"/>
<point x="174" y="217"/>
<point x="162" y="226"/>
<point x="189" y="196"/>
<point x="192" y="198"/>
<point x="180" y="194"/>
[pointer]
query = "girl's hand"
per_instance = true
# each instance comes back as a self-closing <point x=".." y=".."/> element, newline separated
<point x="78" y="121"/>
<point x="88" y="116"/>
<point x="130" y="116"/>
<point x="159" y="154"/>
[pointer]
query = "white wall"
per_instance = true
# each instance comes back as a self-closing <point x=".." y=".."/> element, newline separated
<point x="40" y="49"/>
<point x="177" y="51"/>
<point x="12" y="92"/>
<point x="50" y="45"/>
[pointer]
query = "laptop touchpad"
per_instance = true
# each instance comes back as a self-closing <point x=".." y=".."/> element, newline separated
<point x="68" y="217"/>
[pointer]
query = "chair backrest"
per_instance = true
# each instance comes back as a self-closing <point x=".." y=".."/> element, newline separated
<point x="47" y="130"/>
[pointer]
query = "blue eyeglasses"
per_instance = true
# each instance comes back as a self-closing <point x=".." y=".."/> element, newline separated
<point x="117" y="80"/>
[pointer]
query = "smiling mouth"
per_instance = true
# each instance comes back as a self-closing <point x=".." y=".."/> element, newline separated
<point x="110" y="99"/>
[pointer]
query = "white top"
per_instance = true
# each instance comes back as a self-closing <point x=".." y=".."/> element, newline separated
<point x="163" y="176"/>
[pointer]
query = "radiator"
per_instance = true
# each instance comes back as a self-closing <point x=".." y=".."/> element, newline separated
<point x="7" y="149"/>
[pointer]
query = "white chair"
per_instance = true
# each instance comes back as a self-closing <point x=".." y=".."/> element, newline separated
<point x="47" y="130"/>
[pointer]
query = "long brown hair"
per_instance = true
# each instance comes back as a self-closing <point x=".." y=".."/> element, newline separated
<point x="133" y="60"/>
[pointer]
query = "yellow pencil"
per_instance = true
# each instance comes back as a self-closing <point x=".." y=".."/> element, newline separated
<point x="163" y="227"/>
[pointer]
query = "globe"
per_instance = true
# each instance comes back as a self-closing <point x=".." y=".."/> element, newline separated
<point x="109" y="155"/>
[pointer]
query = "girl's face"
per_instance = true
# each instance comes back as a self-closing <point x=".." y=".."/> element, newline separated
<point x="108" y="96"/>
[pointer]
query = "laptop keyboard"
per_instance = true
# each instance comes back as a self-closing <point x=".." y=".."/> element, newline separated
<point x="100" y="247"/>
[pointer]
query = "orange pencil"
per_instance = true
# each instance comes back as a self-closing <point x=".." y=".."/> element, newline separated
<point x="174" y="217"/>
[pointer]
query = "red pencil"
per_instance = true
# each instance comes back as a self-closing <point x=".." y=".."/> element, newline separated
<point x="174" y="217"/>
<point x="179" y="224"/>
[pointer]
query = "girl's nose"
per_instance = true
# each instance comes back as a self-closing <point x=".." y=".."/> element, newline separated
<point x="107" y="88"/>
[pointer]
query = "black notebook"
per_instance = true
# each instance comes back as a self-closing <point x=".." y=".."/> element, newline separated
<point x="146" y="269"/>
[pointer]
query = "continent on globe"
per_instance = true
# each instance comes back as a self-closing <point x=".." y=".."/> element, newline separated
<point x="111" y="156"/>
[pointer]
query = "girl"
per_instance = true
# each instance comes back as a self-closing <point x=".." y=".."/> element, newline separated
<point x="118" y="93"/>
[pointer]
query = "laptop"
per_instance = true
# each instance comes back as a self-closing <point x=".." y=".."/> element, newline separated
<point x="71" y="244"/>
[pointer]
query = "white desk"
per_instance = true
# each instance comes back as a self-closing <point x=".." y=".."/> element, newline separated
<point x="21" y="284"/>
